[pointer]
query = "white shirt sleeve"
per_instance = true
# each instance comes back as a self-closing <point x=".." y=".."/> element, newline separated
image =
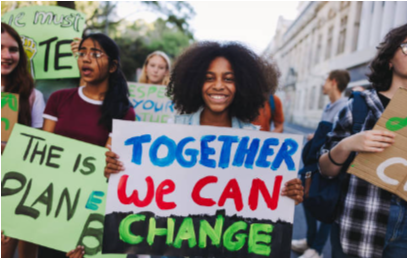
<point x="38" y="109"/>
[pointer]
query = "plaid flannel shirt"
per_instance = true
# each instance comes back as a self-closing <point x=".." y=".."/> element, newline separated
<point x="364" y="209"/>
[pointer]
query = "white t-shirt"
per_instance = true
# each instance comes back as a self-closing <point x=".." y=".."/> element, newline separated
<point x="37" y="110"/>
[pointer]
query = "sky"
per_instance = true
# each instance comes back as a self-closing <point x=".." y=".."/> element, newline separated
<point x="250" y="22"/>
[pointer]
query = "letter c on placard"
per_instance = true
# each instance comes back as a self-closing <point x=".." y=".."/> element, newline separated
<point x="382" y="167"/>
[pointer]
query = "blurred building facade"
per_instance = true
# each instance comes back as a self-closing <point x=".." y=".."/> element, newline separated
<point x="327" y="36"/>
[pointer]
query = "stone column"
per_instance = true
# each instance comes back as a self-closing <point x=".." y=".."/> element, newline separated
<point x="376" y="24"/>
<point x="388" y="18"/>
<point x="365" y="24"/>
<point x="400" y="16"/>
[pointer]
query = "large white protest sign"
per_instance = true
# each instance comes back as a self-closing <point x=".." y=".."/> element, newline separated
<point x="150" y="102"/>
<point x="200" y="191"/>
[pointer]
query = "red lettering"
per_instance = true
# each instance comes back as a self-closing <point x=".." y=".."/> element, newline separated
<point x="121" y="193"/>
<point x="259" y="185"/>
<point x="166" y="187"/>
<point x="196" y="192"/>
<point x="232" y="191"/>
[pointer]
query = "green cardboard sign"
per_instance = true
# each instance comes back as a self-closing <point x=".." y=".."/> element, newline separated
<point x="46" y="32"/>
<point x="53" y="191"/>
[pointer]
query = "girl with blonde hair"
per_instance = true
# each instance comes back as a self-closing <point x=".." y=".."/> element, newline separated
<point x="156" y="69"/>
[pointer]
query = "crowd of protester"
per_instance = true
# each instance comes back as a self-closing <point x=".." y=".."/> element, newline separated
<point x="226" y="85"/>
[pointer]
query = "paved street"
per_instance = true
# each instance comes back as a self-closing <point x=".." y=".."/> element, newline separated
<point x="300" y="226"/>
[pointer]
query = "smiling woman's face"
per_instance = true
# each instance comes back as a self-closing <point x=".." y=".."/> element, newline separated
<point x="219" y="87"/>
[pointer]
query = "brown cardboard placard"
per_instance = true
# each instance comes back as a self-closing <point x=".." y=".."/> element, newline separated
<point x="388" y="169"/>
<point x="9" y="114"/>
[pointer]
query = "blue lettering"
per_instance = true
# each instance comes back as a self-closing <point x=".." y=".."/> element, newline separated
<point x="146" y="107"/>
<point x="285" y="154"/>
<point x="136" y="103"/>
<point x="265" y="152"/>
<point x="206" y="151"/>
<point x="225" y="152"/>
<point x="243" y="152"/>
<point x="137" y="142"/>
<point x="156" y="108"/>
<point x="189" y="152"/>
<point x="169" y="105"/>
<point x="166" y="161"/>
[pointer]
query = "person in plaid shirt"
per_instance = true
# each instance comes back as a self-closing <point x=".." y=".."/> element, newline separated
<point x="371" y="222"/>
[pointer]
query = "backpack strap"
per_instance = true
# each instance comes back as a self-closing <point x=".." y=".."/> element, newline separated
<point x="272" y="105"/>
<point x="359" y="111"/>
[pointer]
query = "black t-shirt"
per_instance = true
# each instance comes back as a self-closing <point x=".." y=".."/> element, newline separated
<point x="385" y="100"/>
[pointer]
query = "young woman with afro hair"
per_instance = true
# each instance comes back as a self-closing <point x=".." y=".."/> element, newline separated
<point x="219" y="85"/>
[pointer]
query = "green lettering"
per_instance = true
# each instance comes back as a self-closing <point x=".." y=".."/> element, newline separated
<point x="170" y="231"/>
<point x="140" y="89"/>
<point x="153" y="231"/>
<point x="151" y="90"/>
<point x="240" y="238"/>
<point x="396" y="123"/>
<point x="206" y="230"/>
<point x="161" y="92"/>
<point x="186" y="232"/>
<point x="124" y="229"/>
<point x="255" y="238"/>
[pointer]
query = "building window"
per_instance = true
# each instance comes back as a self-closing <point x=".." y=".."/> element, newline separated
<point x="342" y="35"/>
<point x="318" y="49"/>
<point x="329" y="42"/>
<point x="356" y="29"/>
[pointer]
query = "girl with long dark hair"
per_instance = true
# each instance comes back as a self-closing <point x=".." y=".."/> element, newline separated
<point x="86" y="113"/>
<point x="15" y="78"/>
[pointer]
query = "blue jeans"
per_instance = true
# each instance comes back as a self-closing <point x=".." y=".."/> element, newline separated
<point x="396" y="236"/>
<point x="316" y="238"/>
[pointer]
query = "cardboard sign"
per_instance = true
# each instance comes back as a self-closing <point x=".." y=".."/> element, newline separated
<point x="47" y="32"/>
<point x="200" y="191"/>
<point x="9" y="114"/>
<point x="150" y="102"/>
<point x="53" y="190"/>
<point x="388" y="169"/>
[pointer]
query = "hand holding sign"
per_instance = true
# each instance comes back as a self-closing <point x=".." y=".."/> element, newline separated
<point x="205" y="191"/>
<point x="387" y="168"/>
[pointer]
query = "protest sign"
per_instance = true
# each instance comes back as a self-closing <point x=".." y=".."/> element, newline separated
<point x="200" y="191"/>
<point x="9" y="114"/>
<point x="47" y="32"/>
<point x="53" y="190"/>
<point x="150" y="102"/>
<point x="388" y="169"/>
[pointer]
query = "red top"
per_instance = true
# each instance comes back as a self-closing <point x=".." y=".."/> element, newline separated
<point x="77" y="116"/>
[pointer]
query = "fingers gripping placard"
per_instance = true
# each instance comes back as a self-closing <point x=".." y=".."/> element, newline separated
<point x="388" y="169"/>
<point x="200" y="191"/>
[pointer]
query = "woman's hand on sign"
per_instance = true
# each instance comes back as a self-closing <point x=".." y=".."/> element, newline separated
<point x="293" y="189"/>
<point x="4" y="239"/>
<point x="78" y="252"/>
<point x="369" y="141"/>
<point x="75" y="45"/>
<point x="113" y="165"/>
